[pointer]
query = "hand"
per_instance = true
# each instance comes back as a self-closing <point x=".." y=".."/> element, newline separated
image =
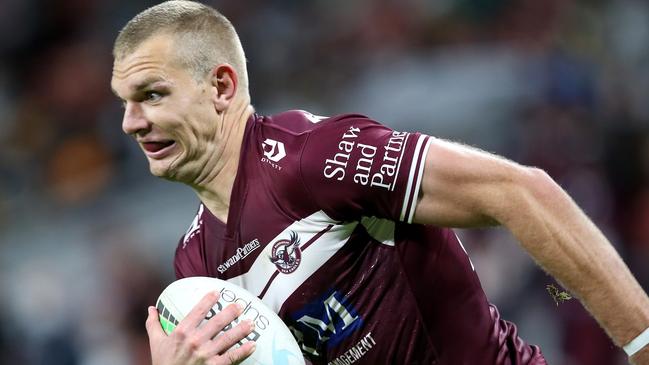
<point x="193" y="344"/>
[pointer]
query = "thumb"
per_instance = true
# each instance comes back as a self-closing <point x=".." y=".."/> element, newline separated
<point x="153" y="327"/>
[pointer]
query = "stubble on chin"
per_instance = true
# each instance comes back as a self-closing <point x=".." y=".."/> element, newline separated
<point x="167" y="170"/>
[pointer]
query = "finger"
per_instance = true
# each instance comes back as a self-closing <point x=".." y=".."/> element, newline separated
<point x="153" y="327"/>
<point x="229" y="338"/>
<point x="220" y="321"/>
<point x="235" y="356"/>
<point x="200" y="310"/>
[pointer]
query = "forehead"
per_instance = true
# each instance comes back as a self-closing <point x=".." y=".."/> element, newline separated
<point x="151" y="61"/>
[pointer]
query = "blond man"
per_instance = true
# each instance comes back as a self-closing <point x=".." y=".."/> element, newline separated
<point x="340" y="224"/>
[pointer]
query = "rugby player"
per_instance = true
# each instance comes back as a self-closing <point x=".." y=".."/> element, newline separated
<point x="340" y="224"/>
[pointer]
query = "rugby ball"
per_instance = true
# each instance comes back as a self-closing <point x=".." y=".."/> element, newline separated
<point x="275" y="343"/>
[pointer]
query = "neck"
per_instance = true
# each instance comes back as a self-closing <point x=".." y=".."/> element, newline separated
<point x="214" y="185"/>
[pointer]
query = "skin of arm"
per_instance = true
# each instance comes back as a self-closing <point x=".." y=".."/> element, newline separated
<point x="466" y="187"/>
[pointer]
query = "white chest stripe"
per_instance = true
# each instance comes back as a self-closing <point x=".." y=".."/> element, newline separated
<point x="320" y="245"/>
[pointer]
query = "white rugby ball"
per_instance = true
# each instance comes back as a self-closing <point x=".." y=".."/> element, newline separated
<point x="275" y="343"/>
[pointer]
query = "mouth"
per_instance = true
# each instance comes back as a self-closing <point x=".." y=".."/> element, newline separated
<point x="158" y="149"/>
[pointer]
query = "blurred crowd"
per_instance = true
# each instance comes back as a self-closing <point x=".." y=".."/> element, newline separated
<point x="87" y="236"/>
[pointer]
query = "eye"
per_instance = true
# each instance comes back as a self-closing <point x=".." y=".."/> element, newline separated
<point x="152" y="96"/>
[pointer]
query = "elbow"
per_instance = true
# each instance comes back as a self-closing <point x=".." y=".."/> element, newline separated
<point x="541" y="191"/>
<point x="541" y="185"/>
<point x="530" y="191"/>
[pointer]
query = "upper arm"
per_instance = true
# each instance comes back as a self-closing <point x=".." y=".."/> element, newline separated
<point x="465" y="187"/>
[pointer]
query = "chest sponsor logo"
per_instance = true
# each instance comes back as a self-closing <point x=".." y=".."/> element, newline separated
<point x="274" y="151"/>
<point x="372" y="166"/>
<point x="324" y="323"/>
<point x="286" y="254"/>
<point x="241" y="254"/>
<point x="356" y="352"/>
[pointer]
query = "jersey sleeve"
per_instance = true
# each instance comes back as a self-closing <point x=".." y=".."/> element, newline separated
<point x="353" y="166"/>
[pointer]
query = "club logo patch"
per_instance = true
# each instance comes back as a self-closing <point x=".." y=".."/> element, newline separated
<point x="286" y="254"/>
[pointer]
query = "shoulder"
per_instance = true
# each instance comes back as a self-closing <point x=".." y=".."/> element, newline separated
<point x="286" y="143"/>
<point x="282" y="150"/>
<point x="348" y="145"/>
<point x="306" y="136"/>
<point x="298" y="123"/>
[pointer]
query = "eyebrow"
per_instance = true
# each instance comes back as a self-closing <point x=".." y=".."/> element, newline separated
<point x="142" y="85"/>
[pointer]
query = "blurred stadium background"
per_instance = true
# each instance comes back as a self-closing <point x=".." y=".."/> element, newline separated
<point x="87" y="235"/>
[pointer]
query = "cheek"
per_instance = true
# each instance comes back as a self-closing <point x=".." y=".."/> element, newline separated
<point x="163" y="118"/>
<point x="204" y="125"/>
<point x="197" y="136"/>
<point x="193" y="125"/>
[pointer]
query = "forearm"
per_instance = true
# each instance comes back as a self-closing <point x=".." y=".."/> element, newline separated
<point x="559" y="236"/>
<point x="466" y="187"/>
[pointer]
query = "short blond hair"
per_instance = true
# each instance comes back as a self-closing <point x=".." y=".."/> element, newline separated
<point x="202" y="36"/>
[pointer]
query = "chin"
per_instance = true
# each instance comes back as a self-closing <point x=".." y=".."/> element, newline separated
<point x="161" y="170"/>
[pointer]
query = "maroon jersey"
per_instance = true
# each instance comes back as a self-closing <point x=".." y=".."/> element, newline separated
<point x="319" y="228"/>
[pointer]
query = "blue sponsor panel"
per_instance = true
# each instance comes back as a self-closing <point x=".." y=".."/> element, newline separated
<point x="325" y="322"/>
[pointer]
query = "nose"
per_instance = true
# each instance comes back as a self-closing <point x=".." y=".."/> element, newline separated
<point x="134" y="121"/>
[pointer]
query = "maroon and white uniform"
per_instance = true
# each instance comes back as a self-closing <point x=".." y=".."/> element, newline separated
<point x="320" y="229"/>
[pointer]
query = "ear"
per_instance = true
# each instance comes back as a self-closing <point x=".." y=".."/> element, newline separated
<point x="224" y="86"/>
